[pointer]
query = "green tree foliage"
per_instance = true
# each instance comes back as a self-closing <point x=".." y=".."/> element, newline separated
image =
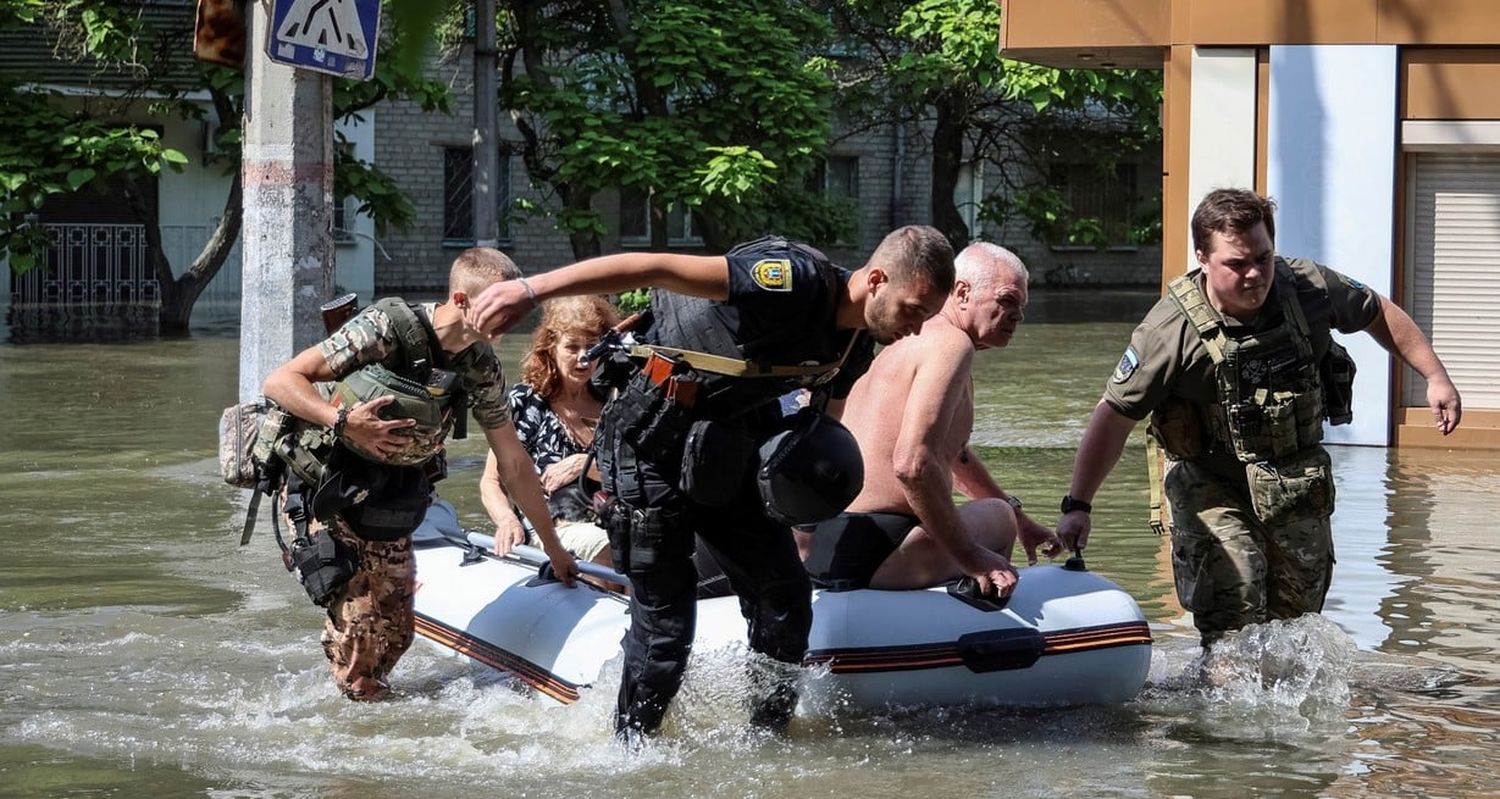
<point x="633" y="301"/>
<point x="937" y="61"/>
<point x="50" y="146"/>
<point x="46" y="150"/>
<point x="719" y="106"/>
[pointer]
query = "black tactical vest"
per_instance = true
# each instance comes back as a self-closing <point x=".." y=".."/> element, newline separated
<point x="702" y="325"/>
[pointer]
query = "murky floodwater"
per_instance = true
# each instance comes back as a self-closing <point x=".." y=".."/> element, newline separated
<point x="143" y="654"/>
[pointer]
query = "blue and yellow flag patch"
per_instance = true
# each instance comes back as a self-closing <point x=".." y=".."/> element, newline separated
<point x="772" y="274"/>
<point x="1127" y="366"/>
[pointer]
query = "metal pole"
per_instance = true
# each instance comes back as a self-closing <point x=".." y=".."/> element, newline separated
<point x="287" y="239"/>
<point x="486" y="152"/>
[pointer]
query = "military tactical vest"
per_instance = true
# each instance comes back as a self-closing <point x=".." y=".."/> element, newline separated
<point x="422" y="392"/>
<point x="693" y="326"/>
<point x="1268" y="383"/>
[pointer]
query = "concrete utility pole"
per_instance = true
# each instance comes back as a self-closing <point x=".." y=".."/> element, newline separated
<point x="287" y="239"/>
<point x="486" y="153"/>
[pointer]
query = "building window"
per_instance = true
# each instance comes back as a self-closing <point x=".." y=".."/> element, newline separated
<point x="837" y="177"/>
<point x="635" y="221"/>
<point x="1104" y="203"/>
<point x="343" y="221"/>
<point x="968" y="195"/>
<point x="458" y="197"/>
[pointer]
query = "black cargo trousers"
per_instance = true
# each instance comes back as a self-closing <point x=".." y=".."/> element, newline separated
<point x="651" y="528"/>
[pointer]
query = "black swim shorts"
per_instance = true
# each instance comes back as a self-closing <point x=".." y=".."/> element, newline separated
<point x="848" y="549"/>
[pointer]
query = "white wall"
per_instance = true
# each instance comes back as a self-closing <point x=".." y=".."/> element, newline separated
<point x="356" y="260"/>
<point x="197" y="193"/>
<point x="191" y="201"/>
<point x="1221" y="143"/>
<point x="1331" y="154"/>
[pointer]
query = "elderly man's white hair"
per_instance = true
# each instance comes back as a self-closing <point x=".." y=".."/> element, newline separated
<point x="976" y="264"/>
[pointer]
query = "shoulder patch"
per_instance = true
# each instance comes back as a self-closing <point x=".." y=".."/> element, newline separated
<point x="772" y="274"/>
<point x="1127" y="366"/>
<point x="1351" y="282"/>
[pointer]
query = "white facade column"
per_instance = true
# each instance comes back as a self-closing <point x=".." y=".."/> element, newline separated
<point x="356" y="256"/>
<point x="1221" y="143"/>
<point x="1331" y="169"/>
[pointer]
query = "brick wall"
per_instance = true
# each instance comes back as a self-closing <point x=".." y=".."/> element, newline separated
<point x="409" y="146"/>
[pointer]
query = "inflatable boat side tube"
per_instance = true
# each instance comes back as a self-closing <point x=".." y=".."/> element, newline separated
<point x="496" y="658"/>
<point x="982" y="652"/>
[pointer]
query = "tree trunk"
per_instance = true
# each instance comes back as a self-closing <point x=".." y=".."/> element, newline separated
<point x="585" y="243"/>
<point x="175" y="315"/>
<point x="180" y="294"/>
<point x="143" y="207"/>
<point x="947" y="162"/>
<point x="715" y="238"/>
<point x="652" y="99"/>
<point x="656" y="211"/>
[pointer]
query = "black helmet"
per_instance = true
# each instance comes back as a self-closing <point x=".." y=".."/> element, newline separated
<point x="810" y="472"/>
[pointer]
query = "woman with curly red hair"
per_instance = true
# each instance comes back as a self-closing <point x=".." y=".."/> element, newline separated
<point x="555" y="413"/>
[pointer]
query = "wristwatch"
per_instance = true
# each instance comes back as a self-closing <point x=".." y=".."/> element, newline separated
<point x="1014" y="502"/>
<point x="1069" y="504"/>
<point x="340" y="423"/>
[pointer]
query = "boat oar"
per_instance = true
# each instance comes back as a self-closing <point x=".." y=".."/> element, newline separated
<point x="535" y="557"/>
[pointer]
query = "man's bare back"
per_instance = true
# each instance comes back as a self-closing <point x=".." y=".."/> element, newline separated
<point x="880" y="407"/>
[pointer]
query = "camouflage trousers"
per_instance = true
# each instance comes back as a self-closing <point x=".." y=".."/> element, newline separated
<point x="371" y="622"/>
<point x="1231" y="569"/>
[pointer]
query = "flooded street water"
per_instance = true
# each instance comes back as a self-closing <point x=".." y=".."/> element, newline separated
<point x="144" y="654"/>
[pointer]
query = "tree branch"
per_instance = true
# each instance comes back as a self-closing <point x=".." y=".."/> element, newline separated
<point x="220" y="242"/>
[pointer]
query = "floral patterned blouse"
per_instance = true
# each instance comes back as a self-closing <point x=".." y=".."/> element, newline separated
<point x="541" y="432"/>
<point x="547" y="441"/>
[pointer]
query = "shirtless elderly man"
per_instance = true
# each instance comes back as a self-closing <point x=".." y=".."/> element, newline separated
<point x="912" y="414"/>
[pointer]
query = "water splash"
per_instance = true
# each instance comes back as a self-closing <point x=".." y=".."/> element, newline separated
<point x="1282" y="680"/>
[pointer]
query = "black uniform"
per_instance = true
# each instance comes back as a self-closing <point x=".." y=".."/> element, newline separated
<point x="780" y="311"/>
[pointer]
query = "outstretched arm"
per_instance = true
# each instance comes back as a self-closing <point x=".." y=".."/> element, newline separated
<point x="508" y="528"/>
<point x="1097" y="455"/>
<point x="518" y="476"/>
<point x="502" y="305"/>
<point x="1400" y="336"/>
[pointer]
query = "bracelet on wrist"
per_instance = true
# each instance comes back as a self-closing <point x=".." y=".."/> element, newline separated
<point x="530" y="293"/>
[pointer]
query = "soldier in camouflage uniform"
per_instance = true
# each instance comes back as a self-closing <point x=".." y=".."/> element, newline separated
<point x="1238" y="371"/>
<point x="355" y="463"/>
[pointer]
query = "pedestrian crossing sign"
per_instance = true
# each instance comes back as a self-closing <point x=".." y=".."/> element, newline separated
<point x="338" y="37"/>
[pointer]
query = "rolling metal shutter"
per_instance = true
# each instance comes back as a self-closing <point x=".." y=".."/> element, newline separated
<point x="1453" y="272"/>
